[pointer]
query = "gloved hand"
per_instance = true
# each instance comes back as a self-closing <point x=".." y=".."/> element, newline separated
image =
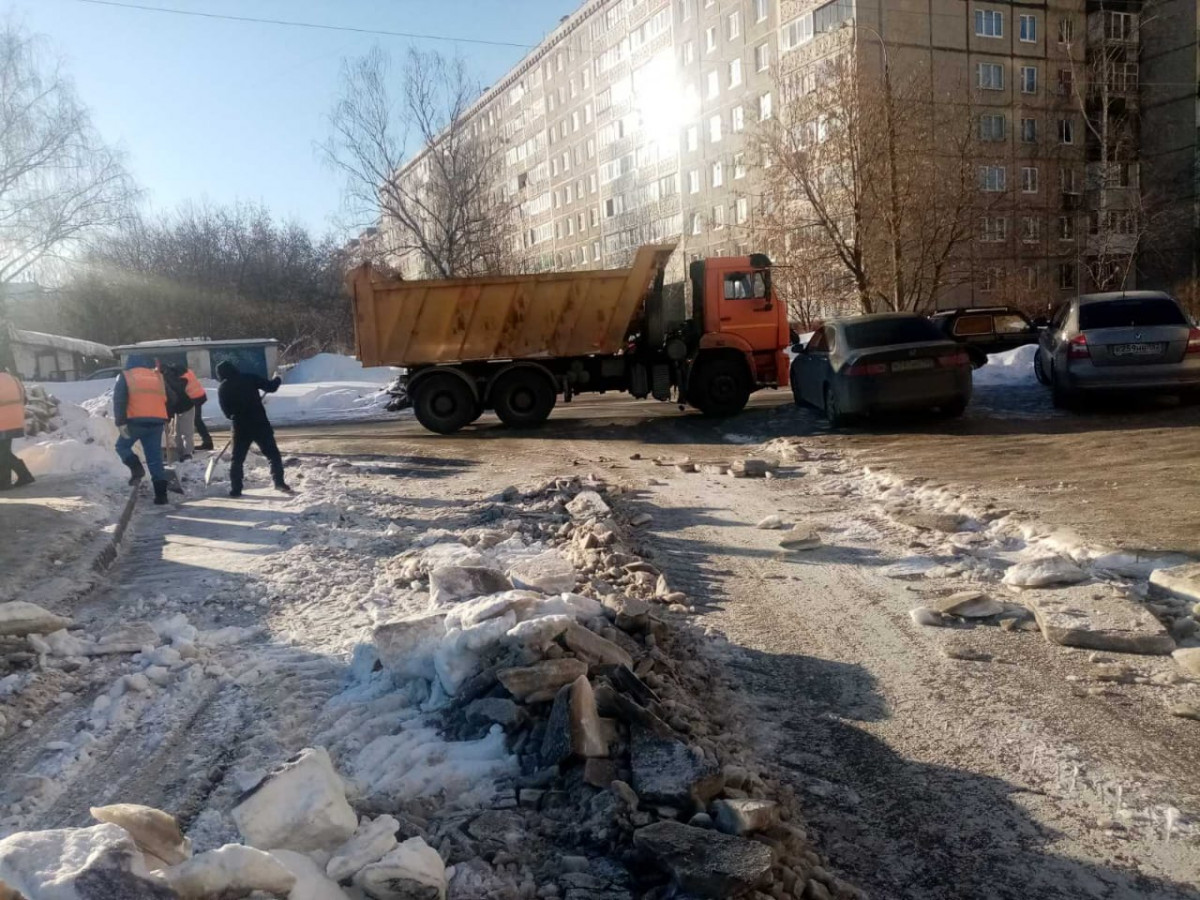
<point x="124" y="431"/>
<point x="277" y="381"/>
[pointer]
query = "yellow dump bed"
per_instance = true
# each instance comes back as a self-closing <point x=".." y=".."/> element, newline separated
<point x="411" y="323"/>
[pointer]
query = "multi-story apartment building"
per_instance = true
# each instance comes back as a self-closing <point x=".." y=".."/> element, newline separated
<point x="632" y="122"/>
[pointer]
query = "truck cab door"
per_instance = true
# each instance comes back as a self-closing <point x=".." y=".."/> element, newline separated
<point x="747" y="308"/>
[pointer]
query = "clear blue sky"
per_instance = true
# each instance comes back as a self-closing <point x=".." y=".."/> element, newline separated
<point x="220" y="111"/>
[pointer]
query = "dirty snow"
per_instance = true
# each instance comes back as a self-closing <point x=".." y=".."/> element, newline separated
<point x="80" y="443"/>
<point x="1011" y="368"/>
<point x="333" y="367"/>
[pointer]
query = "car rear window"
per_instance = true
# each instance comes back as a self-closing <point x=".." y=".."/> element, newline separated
<point x="973" y="325"/>
<point x="1130" y="313"/>
<point x="884" y="332"/>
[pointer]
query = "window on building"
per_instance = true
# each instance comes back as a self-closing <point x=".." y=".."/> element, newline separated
<point x="992" y="178"/>
<point x="1066" y="276"/>
<point x="733" y="25"/>
<point x="685" y="9"/>
<point x="718" y="174"/>
<point x="989" y="23"/>
<point x="591" y="148"/>
<point x="587" y="114"/>
<point x="1066" y="82"/>
<point x="737" y="122"/>
<point x="992" y="127"/>
<point x="714" y="84"/>
<point x="764" y="107"/>
<point x="689" y="53"/>
<point x="762" y="57"/>
<point x="718" y="217"/>
<point x="710" y="39"/>
<point x="735" y="73"/>
<point x="1066" y="31"/>
<point x="1029" y="179"/>
<point x="1029" y="79"/>
<point x="760" y="10"/>
<point x="832" y="15"/>
<point x="1029" y="131"/>
<point x="594" y="216"/>
<point x="714" y="129"/>
<point x="1119" y="26"/>
<point x="694" y="223"/>
<point x="1031" y="279"/>
<point x="990" y="280"/>
<point x="694" y="181"/>
<point x="1066" y="228"/>
<point x="993" y="229"/>
<point x="575" y="121"/>
<point x="1066" y="131"/>
<point x="989" y="76"/>
<point x="739" y="165"/>
<point x="693" y="138"/>
<point x="1068" y="180"/>
<point x="1029" y="29"/>
<point x="741" y="211"/>
<point x="595" y="251"/>
<point x="1031" y="230"/>
<point x="797" y="32"/>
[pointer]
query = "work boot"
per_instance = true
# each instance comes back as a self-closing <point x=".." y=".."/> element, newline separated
<point x="206" y="445"/>
<point x="160" y="492"/>
<point x="235" y="492"/>
<point x="136" y="470"/>
<point x="23" y="480"/>
<point x="284" y="488"/>
<point x="185" y="457"/>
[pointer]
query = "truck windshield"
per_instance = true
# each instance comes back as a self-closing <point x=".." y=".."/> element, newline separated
<point x="885" y="332"/>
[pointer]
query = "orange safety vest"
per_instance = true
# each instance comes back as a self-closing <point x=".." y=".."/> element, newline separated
<point x="195" y="389"/>
<point x="147" y="395"/>
<point x="12" y="404"/>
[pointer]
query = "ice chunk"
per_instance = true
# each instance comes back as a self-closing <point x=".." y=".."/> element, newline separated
<point x="371" y="842"/>
<point x="299" y="806"/>
<point x="77" y="864"/>
<point x="408" y="871"/>
<point x="1044" y="572"/>
<point x="232" y="870"/>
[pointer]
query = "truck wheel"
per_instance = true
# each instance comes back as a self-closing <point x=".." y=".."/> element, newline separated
<point x="523" y="398"/>
<point x="443" y="403"/>
<point x="718" y="388"/>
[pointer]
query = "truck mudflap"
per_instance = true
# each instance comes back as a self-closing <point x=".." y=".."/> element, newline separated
<point x="399" y="392"/>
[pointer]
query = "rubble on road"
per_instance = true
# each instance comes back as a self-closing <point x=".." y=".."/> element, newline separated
<point x="41" y="410"/>
<point x="542" y="730"/>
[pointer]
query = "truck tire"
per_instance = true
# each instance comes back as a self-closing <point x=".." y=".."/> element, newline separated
<point x="444" y="403"/>
<point x="523" y="398"/>
<point x="718" y="387"/>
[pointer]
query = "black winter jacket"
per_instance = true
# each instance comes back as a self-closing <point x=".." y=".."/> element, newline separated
<point x="240" y="400"/>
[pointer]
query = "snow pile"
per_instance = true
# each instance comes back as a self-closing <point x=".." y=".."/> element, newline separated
<point x="78" y="443"/>
<point x="327" y="367"/>
<point x="1011" y="368"/>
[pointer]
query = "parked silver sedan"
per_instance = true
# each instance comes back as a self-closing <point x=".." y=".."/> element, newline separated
<point x="894" y="361"/>
<point x="1127" y="341"/>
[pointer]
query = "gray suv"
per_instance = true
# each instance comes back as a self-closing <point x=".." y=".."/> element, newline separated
<point x="1128" y="341"/>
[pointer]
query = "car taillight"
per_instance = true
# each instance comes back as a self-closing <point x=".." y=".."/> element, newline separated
<point x="954" y="361"/>
<point x="867" y="369"/>
<point x="1078" y="348"/>
<point x="1194" y="341"/>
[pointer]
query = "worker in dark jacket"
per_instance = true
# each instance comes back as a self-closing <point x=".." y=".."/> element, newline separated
<point x="242" y="404"/>
<point x="140" y="413"/>
<point x="12" y="426"/>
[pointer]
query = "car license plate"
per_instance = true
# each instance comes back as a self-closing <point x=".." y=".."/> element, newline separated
<point x="912" y="365"/>
<point x="1138" y="349"/>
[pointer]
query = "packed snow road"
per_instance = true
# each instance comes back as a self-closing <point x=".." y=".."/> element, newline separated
<point x="965" y="761"/>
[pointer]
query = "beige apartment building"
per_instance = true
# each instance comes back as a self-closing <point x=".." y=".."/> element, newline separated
<point x="633" y="122"/>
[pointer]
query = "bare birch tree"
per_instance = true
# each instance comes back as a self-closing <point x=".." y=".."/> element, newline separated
<point x="1102" y="89"/>
<point x="420" y="167"/>
<point x="59" y="182"/>
<point x="869" y="190"/>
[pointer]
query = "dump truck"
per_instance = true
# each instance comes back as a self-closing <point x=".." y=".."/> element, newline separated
<point x="516" y="344"/>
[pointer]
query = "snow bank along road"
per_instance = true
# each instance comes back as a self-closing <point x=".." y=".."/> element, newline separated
<point x="974" y="759"/>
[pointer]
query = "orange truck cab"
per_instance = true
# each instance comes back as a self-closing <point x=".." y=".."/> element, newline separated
<point x="517" y="343"/>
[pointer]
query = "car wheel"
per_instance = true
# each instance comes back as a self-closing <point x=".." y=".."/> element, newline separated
<point x="1039" y="370"/>
<point x="1060" y="395"/>
<point x="833" y="414"/>
<point x="444" y="403"/>
<point x="953" y="410"/>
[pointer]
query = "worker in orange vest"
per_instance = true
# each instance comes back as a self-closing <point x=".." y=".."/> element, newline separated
<point x="199" y="395"/>
<point x="140" y="413"/>
<point x="12" y="426"/>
